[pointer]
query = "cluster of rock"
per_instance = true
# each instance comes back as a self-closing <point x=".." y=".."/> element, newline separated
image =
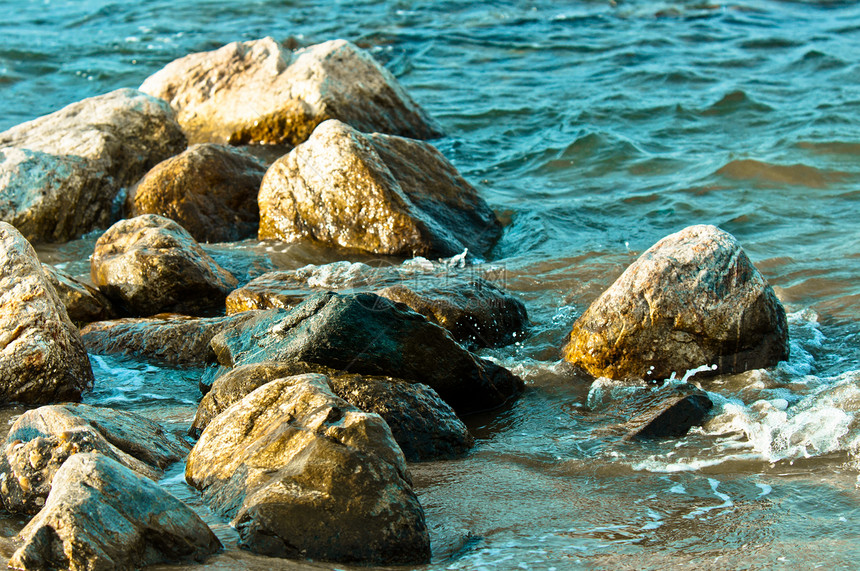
<point x="324" y="381"/>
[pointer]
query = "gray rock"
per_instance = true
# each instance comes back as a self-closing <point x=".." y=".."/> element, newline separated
<point x="103" y="516"/>
<point x="42" y="358"/>
<point x="150" y="264"/>
<point x="41" y="440"/>
<point x="59" y="173"/>
<point x="83" y="303"/>
<point x="665" y="412"/>
<point x="692" y="299"/>
<point x="258" y="92"/>
<point x="378" y="193"/>
<point x="210" y="190"/>
<point x="304" y="474"/>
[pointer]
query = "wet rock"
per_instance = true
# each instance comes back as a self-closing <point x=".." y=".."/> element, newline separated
<point x="259" y="92"/>
<point x="83" y="303"/>
<point x="474" y="310"/>
<point x="692" y="299"/>
<point x="170" y="339"/>
<point x="101" y="515"/>
<point x="59" y="173"/>
<point x="378" y="193"/>
<point x="42" y="358"/>
<point x="210" y="190"/>
<point x="666" y="412"/>
<point x="41" y="440"/>
<point x="304" y="474"/>
<point x="150" y="264"/>
<point x="369" y="335"/>
<point x="423" y="425"/>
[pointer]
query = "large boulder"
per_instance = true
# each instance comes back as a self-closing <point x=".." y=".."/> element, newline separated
<point x="150" y="264"/>
<point x="83" y="303"/>
<point x="369" y="335"/>
<point x="42" y="358"/>
<point x="691" y="300"/>
<point x="101" y="516"/>
<point x="59" y="173"/>
<point x="378" y="193"/>
<point x="259" y="92"/>
<point x="474" y="310"/>
<point x="423" y="425"/>
<point x="42" y="439"/>
<point x="210" y="190"/>
<point x="303" y="474"/>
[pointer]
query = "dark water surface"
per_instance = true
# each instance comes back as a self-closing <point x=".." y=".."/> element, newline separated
<point x="594" y="129"/>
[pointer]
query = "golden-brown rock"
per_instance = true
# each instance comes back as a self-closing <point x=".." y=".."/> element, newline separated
<point x="83" y="303"/>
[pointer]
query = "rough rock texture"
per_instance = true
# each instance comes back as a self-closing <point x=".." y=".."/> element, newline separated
<point x="83" y="303"/>
<point x="150" y="264"/>
<point x="474" y="310"/>
<point x="304" y="474"/>
<point x="103" y="516"/>
<point x="170" y="339"/>
<point x="42" y="358"/>
<point x="258" y="92"/>
<point x="378" y="193"/>
<point x="423" y="425"/>
<point x="60" y="173"/>
<point x="210" y="190"/>
<point x="692" y="299"/>
<point x="41" y="440"/>
<point x="370" y="335"/>
<point x="666" y="412"/>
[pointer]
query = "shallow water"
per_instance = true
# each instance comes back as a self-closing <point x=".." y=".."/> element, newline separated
<point x="593" y="128"/>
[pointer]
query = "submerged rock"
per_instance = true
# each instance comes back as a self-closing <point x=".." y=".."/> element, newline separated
<point x="692" y="299"/>
<point x="83" y="303"/>
<point x="150" y="264"/>
<point x="373" y="192"/>
<point x="42" y="358"/>
<point x="259" y="92"/>
<point x="370" y="335"/>
<point x="423" y="425"/>
<point x="210" y="190"/>
<point x="41" y="440"/>
<point x="303" y="474"/>
<point x="101" y="515"/>
<point x="59" y="173"/>
<point x="666" y="412"/>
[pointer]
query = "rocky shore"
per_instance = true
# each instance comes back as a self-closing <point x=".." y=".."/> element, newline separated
<point x="323" y="383"/>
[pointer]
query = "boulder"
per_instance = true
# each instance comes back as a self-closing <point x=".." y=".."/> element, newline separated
<point x="41" y="440"/>
<point x="83" y="303"/>
<point x="691" y="300"/>
<point x="369" y="335"/>
<point x="101" y="515"/>
<point x="303" y="474"/>
<point x="150" y="264"/>
<point x="259" y="92"/>
<point x="377" y="193"/>
<point x="423" y="425"/>
<point x="42" y="358"/>
<point x="210" y="190"/>
<point x="59" y="173"/>
<point x="474" y="310"/>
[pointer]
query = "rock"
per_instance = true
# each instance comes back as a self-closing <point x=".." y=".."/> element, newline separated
<point x="101" y="515"/>
<point x="83" y="303"/>
<point x="304" y="474"/>
<point x="210" y="190"/>
<point x="41" y="440"/>
<point x="423" y="425"/>
<point x="170" y="339"/>
<point x="258" y="92"/>
<point x="472" y="309"/>
<point x="42" y="358"/>
<point x="150" y="264"/>
<point x="59" y="173"/>
<point x="378" y="193"/>
<point x="666" y="412"/>
<point x="692" y="299"/>
<point x="369" y="335"/>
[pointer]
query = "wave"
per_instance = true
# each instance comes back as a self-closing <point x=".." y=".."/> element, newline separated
<point x="774" y="174"/>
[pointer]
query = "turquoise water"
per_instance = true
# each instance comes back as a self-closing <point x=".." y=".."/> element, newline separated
<point x="594" y="129"/>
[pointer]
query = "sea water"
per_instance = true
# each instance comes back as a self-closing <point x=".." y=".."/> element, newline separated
<point x="593" y="128"/>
